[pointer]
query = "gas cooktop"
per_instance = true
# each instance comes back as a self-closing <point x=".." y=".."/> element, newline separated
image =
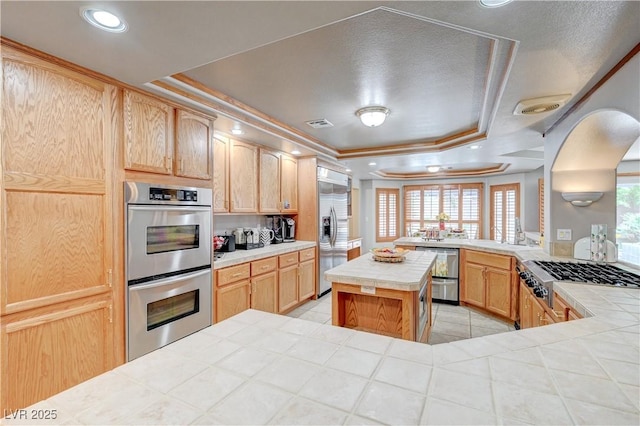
<point x="590" y="273"/>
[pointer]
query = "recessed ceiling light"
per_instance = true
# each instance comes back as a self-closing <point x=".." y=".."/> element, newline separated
<point x="474" y="146"/>
<point x="104" y="20"/>
<point x="347" y="170"/>
<point x="494" y="3"/>
<point x="237" y="131"/>
<point x="433" y="169"/>
<point x="372" y="163"/>
<point x="296" y="152"/>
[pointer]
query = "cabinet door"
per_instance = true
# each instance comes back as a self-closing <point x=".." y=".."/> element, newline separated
<point x="525" y="307"/>
<point x="287" y="288"/>
<point x="232" y="299"/>
<point x="46" y="354"/>
<point x="194" y="134"/>
<point x="537" y="312"/>
<point x="148" y="134"/>
<point x="306" y="279"/>
<point x="243" y="177"/>
<point x="289" y="185"/>
<point x="221" y="174"/>
<point x="498" y="298"/>
<point x="473" y="288"/>
<point x="269" y="182"/>
<point x="263" y="292"/>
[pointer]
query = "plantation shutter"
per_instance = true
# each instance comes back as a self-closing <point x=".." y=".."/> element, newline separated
<point x="387" y="214"/>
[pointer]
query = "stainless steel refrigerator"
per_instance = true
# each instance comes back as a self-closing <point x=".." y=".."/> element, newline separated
<point x="334" y="229"/>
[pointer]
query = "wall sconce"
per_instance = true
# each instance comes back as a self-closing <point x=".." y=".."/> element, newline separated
<point x="581" y="199"/>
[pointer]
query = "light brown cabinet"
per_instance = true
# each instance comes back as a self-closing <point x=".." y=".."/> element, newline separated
<point x="487" y="281"/>
<point x="269" y="182"/>
<point x="264" y="285"/>
<point x="233" y="291"/>
<point x="306" y="281"/>
<point x="243" y="177"/>
<point x="221" y="149"/>
<point x="194" y="136"/>
<point x="288" y="184"/>
<point x="148" y="134"/>
<point x="532" y="313"/>
<point x="58" y="144"/>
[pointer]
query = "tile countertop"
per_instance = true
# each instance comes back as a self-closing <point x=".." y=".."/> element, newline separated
<point x="241" y="256"/>
<point x="406" y="276"/>
<point x="259" y="368"/>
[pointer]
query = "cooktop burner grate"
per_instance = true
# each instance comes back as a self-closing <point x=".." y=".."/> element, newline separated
<point x="590" y="273"/>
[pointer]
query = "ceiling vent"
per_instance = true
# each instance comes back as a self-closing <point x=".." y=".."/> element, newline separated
<point x="320" y="123"/>
<point x="540" y="105"/>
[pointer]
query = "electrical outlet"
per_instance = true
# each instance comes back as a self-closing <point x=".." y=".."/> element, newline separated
<point x="564" y="235"/>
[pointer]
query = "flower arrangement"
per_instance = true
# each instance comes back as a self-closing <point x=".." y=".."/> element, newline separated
<point x="442" y="216"/>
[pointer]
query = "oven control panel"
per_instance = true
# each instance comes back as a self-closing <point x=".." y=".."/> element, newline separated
<point x="170" y="194"/>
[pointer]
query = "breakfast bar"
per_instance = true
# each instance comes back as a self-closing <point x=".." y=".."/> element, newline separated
<point x="393" y="299"/>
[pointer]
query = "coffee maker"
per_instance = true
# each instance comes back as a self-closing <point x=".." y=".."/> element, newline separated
<point x="289" y="226"/>
<point x="276" y="224"/>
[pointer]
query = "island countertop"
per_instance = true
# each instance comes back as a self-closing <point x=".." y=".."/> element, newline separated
<point x="405" y="276"/>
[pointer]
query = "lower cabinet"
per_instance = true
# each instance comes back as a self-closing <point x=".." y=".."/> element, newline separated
<point x="275" y="284"/>
<point x="487" y="281"/>
<point x="57" y="348"/>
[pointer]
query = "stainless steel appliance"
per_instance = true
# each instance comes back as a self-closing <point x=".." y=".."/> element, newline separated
<point x="332" y="214"/>
<point x="445" y="275"/>
<point x="276" y="224"/>
<point x="168" y="264"/>
<point x="540" y="276"/>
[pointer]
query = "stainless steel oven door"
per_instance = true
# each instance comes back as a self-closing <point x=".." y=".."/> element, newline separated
<point x="163" y="311"/>
<point x="163" y="239"/>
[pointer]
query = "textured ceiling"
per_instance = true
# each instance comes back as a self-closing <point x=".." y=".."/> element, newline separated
<point x="443" y="68"/>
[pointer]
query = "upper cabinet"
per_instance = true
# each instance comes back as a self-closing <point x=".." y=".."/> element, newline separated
<point x="148" y="134"/>
<point x="221" y="151"/>
<point x="243" y="177"/>
<point x="194" y="135"/>
<point x="288" y="184"/>
<point x="150" y="140"/>
<point x="269" y="182"/>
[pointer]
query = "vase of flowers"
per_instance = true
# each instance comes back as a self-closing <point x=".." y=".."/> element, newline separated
<point x="442" y="217"/>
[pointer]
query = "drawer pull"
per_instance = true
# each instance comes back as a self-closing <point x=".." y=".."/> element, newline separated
<point x="237" y="274"/>
<point x="264" y="267"/>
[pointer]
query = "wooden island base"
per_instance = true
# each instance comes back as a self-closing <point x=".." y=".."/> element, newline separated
<point x="393" y="313"/>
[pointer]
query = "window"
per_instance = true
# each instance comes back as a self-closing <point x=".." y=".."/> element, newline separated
<point x="628" y="219"/>
<point x="387" y="214"/>
<point x="505" y="208"/>
<point x="462" y="203"/>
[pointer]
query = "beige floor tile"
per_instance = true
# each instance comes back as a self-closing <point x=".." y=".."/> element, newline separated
<point x="334" y="388"/>
<point x="278" y="341"/>
<point x="476" y="367"/>
<point x="483" y="331"/>
<point x="404" y="374"/>
<point x="304" y="412"/>
<point x="370" y="342"/>
<point x="451" y="328"/>
<point x="440" y="412"/>
<point x="354" y="420"/>
<point x="391" y="405"/>
<point x="591" y="414"/>
<point x="288" y="374"/>
<point x="315" y="316"/>
<point x="622" y="372"/>
<point x="254" y="403"/>
<point x="461" y="388"/>
<point x="165" y="411"/>
<point x="436" y="338"/>
<point x="354" y="361"/>
<point x="312" y="350"/>
<point x="521" y="374"/>
<point x="247" y="361"/>
<point x="411" y="351"/>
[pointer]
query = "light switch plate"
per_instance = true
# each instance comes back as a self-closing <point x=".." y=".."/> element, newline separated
<point x="564" y="235"/>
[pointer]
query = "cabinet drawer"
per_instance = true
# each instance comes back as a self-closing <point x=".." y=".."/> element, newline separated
<point x="263" y="266"/>
<point x="288" y="259"/>
<point x="357" y="243"/>
<point x="307" y="254"/>
<point x="233" y="273"/>
<point x="489" y="259"/>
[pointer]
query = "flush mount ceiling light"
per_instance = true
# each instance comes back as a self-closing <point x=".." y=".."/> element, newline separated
<point x="433" y="169"/>
<point x="581" y="199"/>
<point x="372" y="116"/>
<point x="104" y="20"/>
<point x="474" y="147"/>
<point x="494" y="3"/>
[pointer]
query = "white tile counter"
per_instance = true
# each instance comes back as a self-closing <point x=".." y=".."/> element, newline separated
<point x="405" y="276"/>
<point x="241" y="256"/>
<point x="259" y="368"/>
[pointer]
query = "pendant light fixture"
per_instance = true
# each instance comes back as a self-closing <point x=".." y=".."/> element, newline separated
<point x="372" y="116"/>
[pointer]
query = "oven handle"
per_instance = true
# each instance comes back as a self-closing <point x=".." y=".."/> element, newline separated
<point x="155" y="208"/>
<point x="164" y="281"/>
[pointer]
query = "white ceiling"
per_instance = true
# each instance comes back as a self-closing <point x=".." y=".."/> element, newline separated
<point x="450" y="72"/>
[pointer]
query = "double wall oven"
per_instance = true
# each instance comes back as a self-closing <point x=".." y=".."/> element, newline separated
<point x="168" y="264"/>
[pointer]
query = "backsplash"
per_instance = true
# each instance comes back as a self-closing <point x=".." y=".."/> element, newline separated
<point x="561" y="249"/>
<point x="227" y="223"/>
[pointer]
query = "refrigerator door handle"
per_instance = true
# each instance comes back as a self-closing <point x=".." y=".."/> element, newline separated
<point x="335" y="226"/>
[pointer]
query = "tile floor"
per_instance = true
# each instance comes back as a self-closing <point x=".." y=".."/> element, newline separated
<point x="450" y="323"/>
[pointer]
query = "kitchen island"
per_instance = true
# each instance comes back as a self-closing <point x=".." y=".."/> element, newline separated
<point x="261" y="368"/>
<point x="393" y="299"/>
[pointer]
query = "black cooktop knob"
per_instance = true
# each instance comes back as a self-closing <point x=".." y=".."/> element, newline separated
<point x="530" y="282"/>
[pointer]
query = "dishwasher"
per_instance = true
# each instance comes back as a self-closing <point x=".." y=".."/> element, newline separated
<point x="445" y="275"/>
